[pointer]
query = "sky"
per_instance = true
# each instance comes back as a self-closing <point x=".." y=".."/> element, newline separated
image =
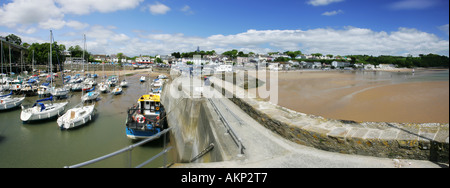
<point x="149" y="27"/>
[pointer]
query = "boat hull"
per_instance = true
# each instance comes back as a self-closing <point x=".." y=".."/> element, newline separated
<point x="31" y="114"/>
<point x="139" y="134"/>
<point x="66" y="121"/>
<point x="7" y="104"/>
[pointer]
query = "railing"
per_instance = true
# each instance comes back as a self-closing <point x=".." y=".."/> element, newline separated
<point x="230" y="130"/>
<point x="130" y="148"/>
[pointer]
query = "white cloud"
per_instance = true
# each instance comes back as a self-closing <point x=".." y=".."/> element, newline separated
<point x="346" y="41"/>
<point x="332" y="13"/>
<point x="322" y="2"/>
<point x="158" y="8"/>
<point x="187" y="10"/>
<point x="28" y="12"/>
<point x="26" y="15"/>
<point x="77" y="25"/>
<point x="444" y="28"/>
<point x="413" y="4"/>
<point x="81" y="7"/>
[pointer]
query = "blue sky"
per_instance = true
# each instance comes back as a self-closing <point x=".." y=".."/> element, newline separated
<point x="134" y="27"/>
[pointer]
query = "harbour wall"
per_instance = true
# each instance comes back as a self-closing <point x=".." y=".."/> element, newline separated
<point x="194" y="125"/>
<point x="427" y="141"/>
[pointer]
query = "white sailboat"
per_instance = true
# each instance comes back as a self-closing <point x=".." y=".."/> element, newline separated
<point x="60" y="92"/>
<point x="77" y="116"/>
<point x="57" y="92"/>
<point x="142" y="79"/>
<point x="124" y="83"/>
<point x="117" y="90"/>
<point x="7" y="102"/>
<point x="41" y="111"/>
<point x="104" y="88"/>
<point x="91" y="95"/>
<point x="43" y="91"/>
<point x="77" y="87"/>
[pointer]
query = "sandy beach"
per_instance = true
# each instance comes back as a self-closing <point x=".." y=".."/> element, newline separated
<point x="350" y="96"/>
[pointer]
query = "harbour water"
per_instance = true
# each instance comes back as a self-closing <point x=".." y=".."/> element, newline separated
<point x="44" y="145"/>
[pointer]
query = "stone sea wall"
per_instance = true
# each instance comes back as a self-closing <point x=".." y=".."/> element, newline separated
<point x="428" y="141"/>
<point x="194" y="125"/>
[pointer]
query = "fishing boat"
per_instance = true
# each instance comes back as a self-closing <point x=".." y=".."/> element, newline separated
<point x="147" y="118"/>
<point x="41" y="111"/>
<point x="77" y="116"/>
<point x="142" y="79"/>
<point x="117" y="90"/>
<point x="7" y="102"/>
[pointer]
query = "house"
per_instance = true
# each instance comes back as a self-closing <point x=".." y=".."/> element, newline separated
<point x="273" y="66"/>
<point x="386" y="66"/>
<point x="317" y="65"/>
<point x="338" y="64"/>
<point x="369" y="67"/>
<point x="143" y="59"/>
<point x="100" y="58"/>
<point x="242" y="60"/>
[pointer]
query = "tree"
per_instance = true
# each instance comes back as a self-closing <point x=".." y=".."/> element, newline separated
<point x="159" y="60"/>
<point x="120" y="57"/>
<point x="293" y="54"/>
<point x="317" y="55"/>
<point x="176" y="54"/>
<point x="14" y="39"/>
<point x="232" y="53"/>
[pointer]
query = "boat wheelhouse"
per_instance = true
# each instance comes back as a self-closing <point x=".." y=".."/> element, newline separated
<point x="147" y="118"/>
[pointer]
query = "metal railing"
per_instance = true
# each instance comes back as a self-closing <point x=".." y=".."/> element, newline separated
<point x="230" y="130"/>
<point x="130" y="148"/>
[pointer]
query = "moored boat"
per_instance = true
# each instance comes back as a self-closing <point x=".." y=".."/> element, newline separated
<point x="142" y="79"/>
<point x="90" y="96"/>
<point x="41" y="111"/>
<point x="8" y="102"/>
<point x="117" y="90"/>
<point x="77" y="116"/>
<point x="147" y="118"/>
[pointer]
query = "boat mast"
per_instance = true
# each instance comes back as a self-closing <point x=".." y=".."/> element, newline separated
<point x="1" y="53"/>
<point x="51" y="67"/>
<point x="10" y="64"/>
<point x="84" y="39"/>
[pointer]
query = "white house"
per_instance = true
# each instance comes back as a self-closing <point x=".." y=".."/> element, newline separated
<point x="273" y="66"/>
<point x="143" y="60"/>
<point x="369" y="67"/>
<point x="386" y="66"/>
<point x="340" y="64"/>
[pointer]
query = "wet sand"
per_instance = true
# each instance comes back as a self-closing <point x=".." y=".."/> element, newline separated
<point x="346" y="96"/>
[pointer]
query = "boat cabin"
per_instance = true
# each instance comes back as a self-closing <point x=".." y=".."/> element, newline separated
<point x="149" y="104"/>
